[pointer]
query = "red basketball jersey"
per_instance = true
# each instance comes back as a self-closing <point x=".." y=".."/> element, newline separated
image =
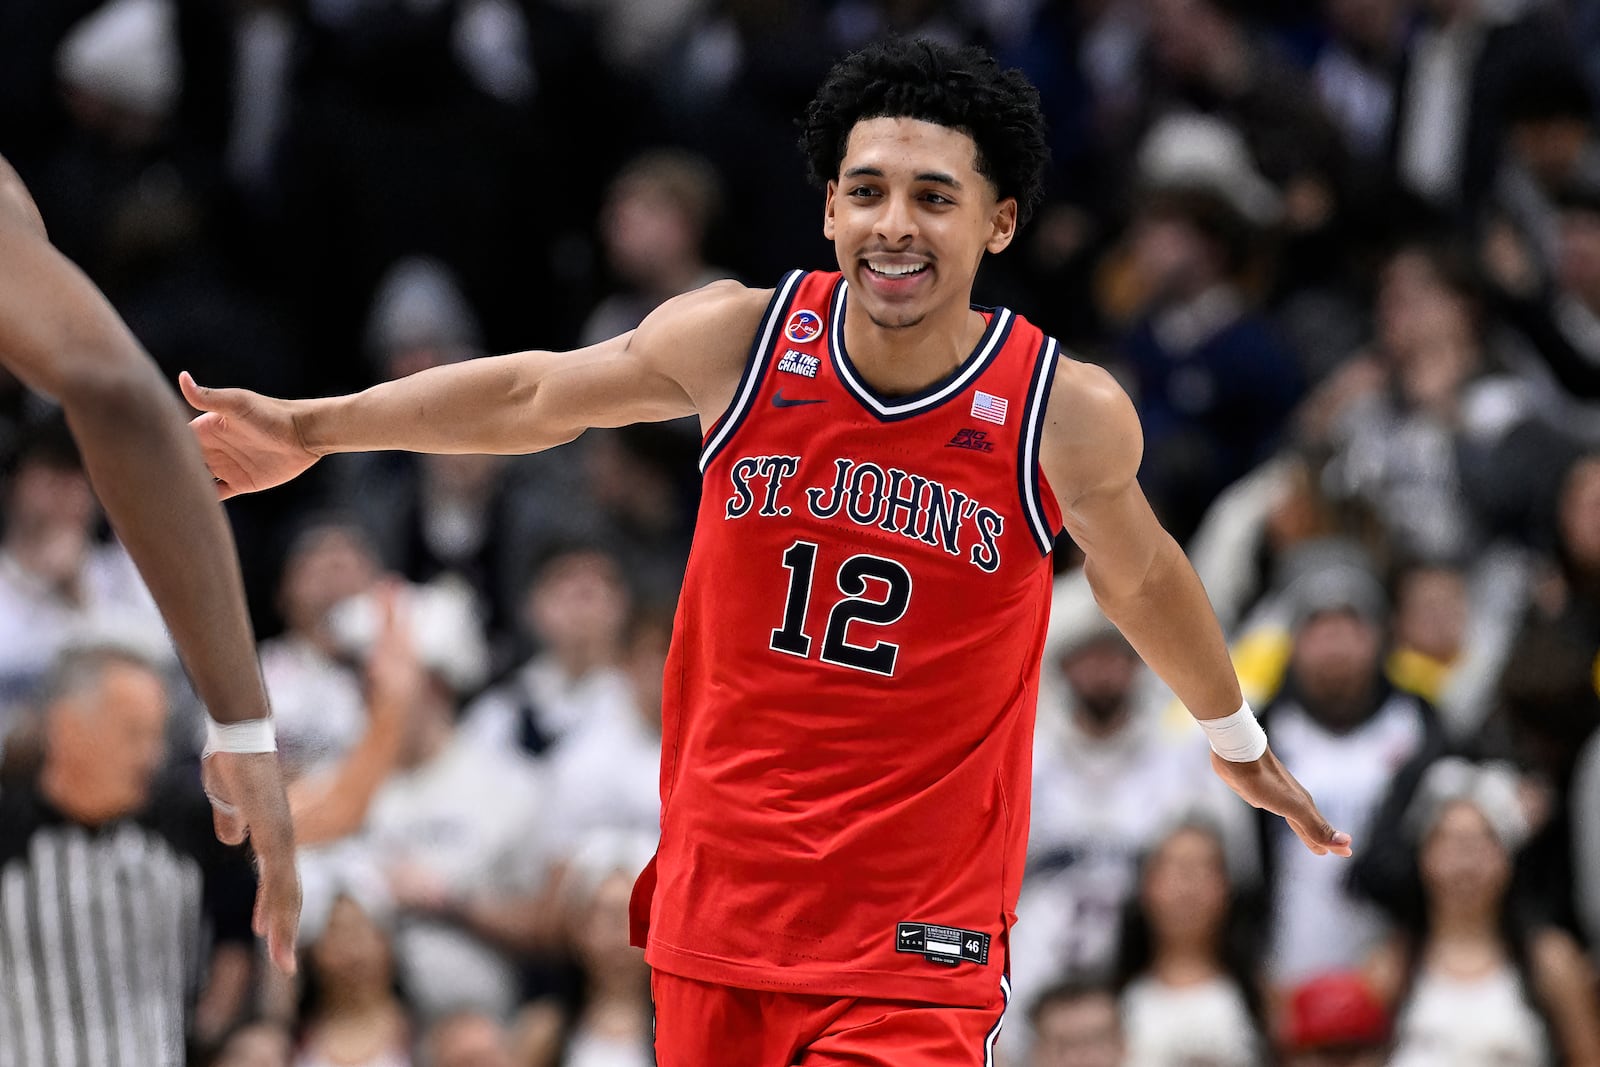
<point x="847" y="720"/>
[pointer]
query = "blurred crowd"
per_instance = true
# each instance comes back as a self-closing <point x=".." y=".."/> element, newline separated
<point x="1344" y="255"/>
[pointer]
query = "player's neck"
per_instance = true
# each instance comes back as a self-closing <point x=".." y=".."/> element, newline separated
<point x="901" y="360"/>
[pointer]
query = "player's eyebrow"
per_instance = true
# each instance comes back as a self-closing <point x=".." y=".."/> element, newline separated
<point x="938" y="177"/>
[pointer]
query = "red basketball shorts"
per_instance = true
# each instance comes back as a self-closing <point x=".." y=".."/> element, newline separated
<point x="699" y="1024"/>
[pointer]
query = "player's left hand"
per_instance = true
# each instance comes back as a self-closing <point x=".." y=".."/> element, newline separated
<point x="247" y="800"/>
<point x="1268" y="785"/>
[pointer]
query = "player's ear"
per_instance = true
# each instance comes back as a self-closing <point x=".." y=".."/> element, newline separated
<point x="827" y="210"/>
<point x="1002" y="225"/>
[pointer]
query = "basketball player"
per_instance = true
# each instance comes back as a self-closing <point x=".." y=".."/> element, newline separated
<point x="849" y="698"/>
<point x="60" y="336"/>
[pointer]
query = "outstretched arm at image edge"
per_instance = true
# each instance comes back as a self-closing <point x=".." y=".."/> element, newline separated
<point x="682" y="360"/>
<point x="1145" y="585"/>
<point x="60" y="336"/>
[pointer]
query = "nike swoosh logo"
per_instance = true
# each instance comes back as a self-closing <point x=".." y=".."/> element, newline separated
<point x="779" y="400"/>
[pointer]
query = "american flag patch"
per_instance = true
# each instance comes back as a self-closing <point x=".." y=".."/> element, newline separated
<point x="989" y="408"/>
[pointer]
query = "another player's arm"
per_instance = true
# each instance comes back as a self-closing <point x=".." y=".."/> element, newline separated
<point x="684" y="359"/>
<point x="61" y="337"/>
<point x="17" y="209"/>
<point x="1144" y="583"/>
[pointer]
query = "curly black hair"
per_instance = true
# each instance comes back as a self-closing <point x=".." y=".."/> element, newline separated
<point x="963" y="88"/>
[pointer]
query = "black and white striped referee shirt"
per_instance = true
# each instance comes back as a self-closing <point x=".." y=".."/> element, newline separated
<point x="105" y="930"/>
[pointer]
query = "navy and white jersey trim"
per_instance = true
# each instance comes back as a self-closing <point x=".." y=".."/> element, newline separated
<point x="1028" y="480"/>
<point x="993" y="340"/>
<point x="755" y="364"/>
<point x="988" y="1042"/>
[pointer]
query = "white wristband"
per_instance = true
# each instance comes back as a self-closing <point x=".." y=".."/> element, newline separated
<point x="1237" y="738"/>
<point x="251" y="735"/>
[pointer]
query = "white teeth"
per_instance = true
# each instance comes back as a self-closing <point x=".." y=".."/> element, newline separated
<point x="896" y="270"/>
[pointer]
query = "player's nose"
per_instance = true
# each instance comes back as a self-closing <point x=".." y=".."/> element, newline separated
<point x="896" y="223"/>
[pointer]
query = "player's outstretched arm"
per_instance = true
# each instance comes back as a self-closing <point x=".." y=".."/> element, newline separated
<point x="1145" y="585"/>
<point x="61" y="337"/>
<point x="684" y="359"/>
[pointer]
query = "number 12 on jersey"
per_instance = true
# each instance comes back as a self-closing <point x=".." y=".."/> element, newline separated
<point x="887" y="605"/>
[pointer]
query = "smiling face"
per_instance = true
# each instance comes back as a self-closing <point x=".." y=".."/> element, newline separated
<point x="910" y="217"/>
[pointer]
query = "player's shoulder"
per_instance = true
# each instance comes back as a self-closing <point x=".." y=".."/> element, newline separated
<point x="1087" y="403"/>
<point x="1091" y="431"/>
<point x="701" y="338"/>
<point x="717" y="310"/>
<point x="1085" y="390"/>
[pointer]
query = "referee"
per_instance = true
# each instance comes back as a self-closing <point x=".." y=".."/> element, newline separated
<point x="113" y="889"/>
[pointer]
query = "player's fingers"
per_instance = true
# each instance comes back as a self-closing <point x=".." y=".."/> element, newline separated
<point x="193" y="391"/>
<point x="277" y="918"/>
<point x="1320" y="836"/>
<point x="205" y="398"/>
<point x="1308" y="838"/>
<point x="226" y="816"/>
<point x="230" y="825"/>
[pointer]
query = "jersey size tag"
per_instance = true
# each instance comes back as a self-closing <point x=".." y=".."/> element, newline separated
<point x="942" y="944"/>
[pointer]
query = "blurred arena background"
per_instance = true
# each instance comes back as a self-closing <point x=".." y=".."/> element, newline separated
<point x="1344" y="255"/>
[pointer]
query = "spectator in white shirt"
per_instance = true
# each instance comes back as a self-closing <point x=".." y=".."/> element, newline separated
<point x="316" y="698"/>
<point x="458" y="830"/>
<point x="1343" y="729"/>
<point x="575" y="608"/>
<point x="608" y="777"/>
<point x="1189" y="959"/>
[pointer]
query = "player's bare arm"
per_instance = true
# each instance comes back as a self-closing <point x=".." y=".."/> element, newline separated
<point x="1090" y="453"/>
<point x="61" y="337"/>
<point x="684" y="359"/>
<point x="17" y="208"/>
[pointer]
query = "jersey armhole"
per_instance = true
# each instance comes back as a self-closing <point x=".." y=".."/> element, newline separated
<point x="754" y="365"/>
<point x="1038" y="499"/>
